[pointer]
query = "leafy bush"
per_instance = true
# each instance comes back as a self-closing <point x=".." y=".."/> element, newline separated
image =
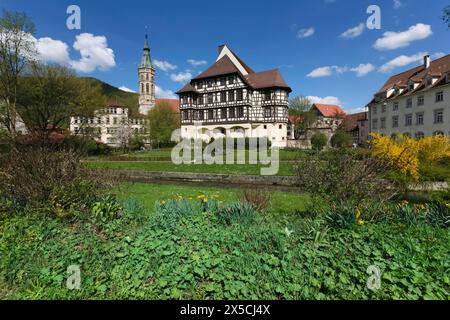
<point x="341" y="139"/>
<point x="107" y="209"/>
<point x="169" y="213"/>
<point x="343" y="215"/>
<point x="439" y="214"/>
<point x="258" y="198"/>
<point x="85" y="145"/>
<point x="319" y="141"/>
<point x="241" y="213"/>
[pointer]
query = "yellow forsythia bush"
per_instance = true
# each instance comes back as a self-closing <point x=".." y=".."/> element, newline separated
<point x="405" y="154"/>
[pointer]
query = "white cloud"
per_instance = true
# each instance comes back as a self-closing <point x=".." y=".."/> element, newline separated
<point x="397" y="4"/>
<point x="164" y="65"/>
<point x="355" y="110"/>
<point x="326" y="71"/>
<point x="353" y="32"/>
<point x="437" y="55"/>
<point x="393" y="40"/>
<point x="325" y="100"/>
<point x="181" y="77"/>
<point x="305" y="33"/>
<point x="94" y="52"/>
<point x="123" y="88"/>
<point x="197" y="63"/>
<point x="363" y="69"/>
<point x="401" y="61"/>
<point x="52" y="51"/>
<point x="164" y="94"/>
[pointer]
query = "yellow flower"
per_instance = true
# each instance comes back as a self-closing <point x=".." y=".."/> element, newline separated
<point x="163" y="202"/>
<point x="205" y="200"/>
<point x="361" y="222"/>
<point x="201" y="196"/>
<point x="358" y="213"/>
<point x="447" y="205"/>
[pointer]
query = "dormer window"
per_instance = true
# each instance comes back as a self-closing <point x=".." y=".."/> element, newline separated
<point x="396" y="91"/>
<point x="429" y="81"/>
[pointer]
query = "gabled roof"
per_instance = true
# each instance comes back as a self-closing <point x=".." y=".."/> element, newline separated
<point x="229" y="63"/>
<point x="438" y="68"/>
<point x="267" y="79"/>
<point x="329" y="110"/>
<point x="223" y="66"/>
<point x="351" y="121"/>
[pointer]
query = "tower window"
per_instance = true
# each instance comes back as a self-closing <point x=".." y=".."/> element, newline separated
<point x="146" y="76"/>
<point x="147" y="87"/>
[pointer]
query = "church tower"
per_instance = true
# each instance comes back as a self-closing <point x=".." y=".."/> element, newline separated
<point x="146" y="81"/>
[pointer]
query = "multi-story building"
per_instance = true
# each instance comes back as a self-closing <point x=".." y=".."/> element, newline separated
<point x="114" y="124"/>
<point x="415" y="103"/>
<point x="357" y="125"/>
<point x="233" y="99"/>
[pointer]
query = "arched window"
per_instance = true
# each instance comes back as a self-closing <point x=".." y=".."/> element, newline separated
<point x="438" y="133"/>
<point x="142" y="88"/>
<point x="147" y="88"/>
<point x="420" y="135"/>
<point x="146" y="76"/>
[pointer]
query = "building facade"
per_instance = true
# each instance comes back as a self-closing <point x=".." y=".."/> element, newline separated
<point x="414" y="103"/>
<point x="230" y="99"/>
<point x="357" y="125"/>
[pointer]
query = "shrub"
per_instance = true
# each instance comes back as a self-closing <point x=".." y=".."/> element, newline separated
<point x="257" y="197"/>
<point x="319" y="141"/>
<point x="340" y="174"/>
<point x="107" y="209"/>
<point x="343" y="215"/>
<point x="85" y="146"/>
<point x="169" y="213"/>
<point x="341" y="139"/>
<point x="241" y="213"/>
<point x="439" y="214"/>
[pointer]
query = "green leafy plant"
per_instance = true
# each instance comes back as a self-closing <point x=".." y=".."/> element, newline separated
<point x="240" y="213"/>
<point x="107" y="209"/>
<point x="343" y="215"/>
<point x="439" y="214"/>
<point x="319" y="141"/>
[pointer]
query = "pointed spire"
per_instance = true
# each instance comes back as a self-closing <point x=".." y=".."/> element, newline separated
<point x="146" y="60"/>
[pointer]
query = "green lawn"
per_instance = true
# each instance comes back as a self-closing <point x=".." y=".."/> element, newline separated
<point x="148" y="194"/>
<point x="166" y="166"/>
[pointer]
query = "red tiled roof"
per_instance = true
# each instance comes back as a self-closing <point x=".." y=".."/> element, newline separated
<point x="329" y="110"/>
<point x="351" y="121"/>
<point x="295" y="119"/>
<point x="173" y="103"/>
<point x="223" y="66"/>
<point x="187" y="88"/>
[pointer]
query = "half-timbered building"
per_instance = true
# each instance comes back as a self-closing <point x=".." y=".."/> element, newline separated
<point x="229" y="98"/>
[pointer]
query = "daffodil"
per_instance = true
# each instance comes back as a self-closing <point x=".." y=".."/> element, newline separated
<point x="358" y="213"/>
<point x="361" y="222"/>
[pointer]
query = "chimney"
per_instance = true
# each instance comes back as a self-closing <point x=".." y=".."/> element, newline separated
<point x="221" y="48"/>
<point x="426" y="61"/>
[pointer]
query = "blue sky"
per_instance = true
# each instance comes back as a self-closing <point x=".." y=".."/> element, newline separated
<point x="307" y="40"/>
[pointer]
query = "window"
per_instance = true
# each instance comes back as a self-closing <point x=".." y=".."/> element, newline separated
<point x="383" y="123"/>
<point x="232" y="113"/>
<point x="223" y="113"/>
<point x="115" y="120"/>
<point x="239" y="95"/>
<point x="210" y="98"/>
<point x="267" y="112"/>
<point x="438" y="116"/>
<point x="200" y="100"/>
<point x="221" y="81"/>
<point x="375" y="124"/>
<point x="211" y="114"/>
<point x="201" y="115"/>
<point x="429" y="81"/>
<point x="419" y="118"/>
<point x="411" y="87"/>
<point x="185" y="115"/>
<point x="265" y="126"/>
<point x="230" y="95"/>
<point x="374" y="110"/>
<point x="439" y="96"/>
<point x="419" y="135"/>
<point x="395" y="106"/>
<point x="240" y="112"/>
<point x="146" y="76"/>
<point x="107" y="120"/>
<point x="280" y="127"/>
<point x="409" y="103"/>
<point x="230" y="80"/>
<point x="420" y="100"/>
<point x="408" y="120"/>
<point x="200" y="85"/>
<point x="209" y="84"/>
<point x="147" y="88"/>
<point x="267" y="96"/>
<point x="223" y="96"/>
<point x="383" y="108"/>
<point x="438" y="133"/>
<point x="394" y="121"/>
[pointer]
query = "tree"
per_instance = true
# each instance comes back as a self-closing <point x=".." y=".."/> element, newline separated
<point x="162" y="122"/>
<point x="341" y="139"/>
<point x="50" y="94"/>
<point x="446" y="15"/>
<point x="319" y="141"/>
<point x="303" y="121"/>
<point x="300" y="103"/>
<point x="17" y="49"/>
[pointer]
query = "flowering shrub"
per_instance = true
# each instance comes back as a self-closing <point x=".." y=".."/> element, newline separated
<point x="406" y="154"/>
